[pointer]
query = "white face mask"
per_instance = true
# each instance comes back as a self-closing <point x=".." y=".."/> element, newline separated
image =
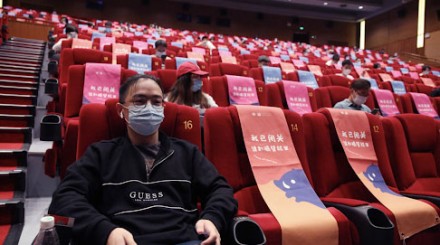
<point x="346" y="72"/>
<point x="359" y="100"/>
<point x="160" y="54"/>
<point x="145" y="121"/>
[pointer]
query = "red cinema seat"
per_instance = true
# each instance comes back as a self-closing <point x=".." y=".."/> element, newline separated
<point x="276" y="97"/>
<point x="420" y="88"/>
<point x="168" y="77"/>
<point x="224" y="147"/>
<point x="257" y="74"/>
<point x="74" y="96"/>
<point x="102" y="122"/>
<point x="221" y="69"/>
<point x="408" y="104"/>
<point x="217" y="87"/>
<point x="334" y="179"/>
<point x="156" y="63"/>
<point x="397" y="100"/>
<point x="250" y="63"/>
<point x="109" y="48"/>
<point x="414" y="148"/>
<point x="171" y="64"/>
<point x="71" y="57"/>
<point x="336" y="80"/>
<point x="436" y="103"/>
<point x="329" y="96"/>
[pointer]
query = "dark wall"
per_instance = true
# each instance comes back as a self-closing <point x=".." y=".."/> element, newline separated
<point x="164" y="13"/>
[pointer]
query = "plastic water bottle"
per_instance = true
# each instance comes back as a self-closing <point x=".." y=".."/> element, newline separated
<point x="47" y="235"/>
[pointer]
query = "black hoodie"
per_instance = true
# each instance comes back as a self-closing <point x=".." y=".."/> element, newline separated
<point x="108" y="187"/>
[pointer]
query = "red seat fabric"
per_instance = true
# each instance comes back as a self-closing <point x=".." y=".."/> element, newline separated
<point x="101" y="122"/>
<point x="276" y="97"/>
<point x="168" y="77"/>
<point x="414" y="149"/>
<point x="335" y="180"/>
<point x="71" y="57"/>
<point x="221" y="69"/>
<point x="222" y="126"/>
<point x="171" y="64"/>
<point x="217" y="87"/>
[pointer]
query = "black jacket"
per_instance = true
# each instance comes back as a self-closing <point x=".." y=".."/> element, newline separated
<point x="109" y="187"/>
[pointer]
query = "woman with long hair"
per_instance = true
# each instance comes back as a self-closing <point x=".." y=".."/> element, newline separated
<point x="188" y="88"/>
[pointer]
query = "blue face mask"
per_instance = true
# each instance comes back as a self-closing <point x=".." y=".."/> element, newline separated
<point x="197" y="85"/>
<point x="145" y="121"/>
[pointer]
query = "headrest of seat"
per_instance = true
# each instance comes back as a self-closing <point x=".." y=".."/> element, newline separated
<point x="180" y="121"/>
<point x="421" y="131"/>
<point x="82" y="56"/>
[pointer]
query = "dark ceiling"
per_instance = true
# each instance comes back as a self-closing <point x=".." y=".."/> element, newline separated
<point x="337" y="10"/>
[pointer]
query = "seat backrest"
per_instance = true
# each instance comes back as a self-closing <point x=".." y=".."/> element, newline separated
<point x="224" y="147"/>
<point x="156" y="63"/>
<point x="329" y="96"/>
<point x="75" y="87"/>
<point x="217" y="87"/>
<point x="397" y="100"/>
<point x="102" y="122"/>
<point x="171" y="64"/>
<point x="336" y="80"/>
<point x="414" y="148"/>
<point x="250" y="63"/>
<point x="80" y="57"/>
<point x="276" y="97"/>
<point x="168" y="77"/>
<point x="222" y="69"/>
<point x="331" y="173"/>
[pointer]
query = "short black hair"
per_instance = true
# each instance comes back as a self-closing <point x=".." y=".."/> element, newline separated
<point x="131" y="81"/>
<point x="160" y="43"/>
<point x="360" y="84"/>
<point x="347" y="62"/>
<point x="426" y="67"/>
<point x="71" y="28"/>
<point x="204" y="37"/>
<point x="376" y="65"/>
<point x="263" y="58"/>
<point x="336" y="57"/>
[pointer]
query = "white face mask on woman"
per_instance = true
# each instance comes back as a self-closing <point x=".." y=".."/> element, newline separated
<point x="346" y="72"/>
<point x="197" y="84"/>
<point x="145" y="121"/>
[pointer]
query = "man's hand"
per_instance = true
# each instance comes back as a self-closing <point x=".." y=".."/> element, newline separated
<point x="207" y="228"/>
<point x="120" y="236"/>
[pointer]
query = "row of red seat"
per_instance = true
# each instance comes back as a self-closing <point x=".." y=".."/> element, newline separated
<point x="406" y="157"/>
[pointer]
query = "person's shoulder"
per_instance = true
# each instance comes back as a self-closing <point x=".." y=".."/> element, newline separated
<point x="341" y="104"/>
<point x="366" y="108"/>
<point x="108" y="145"/>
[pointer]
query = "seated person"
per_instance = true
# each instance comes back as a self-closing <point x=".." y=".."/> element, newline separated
<point x="206" y="43"/>
<point x="376" y="65"/>
<point x="143" y="187"/>
<point x="426" y="70"/>
<point x="347" y="67"/>
<point x="71" y="32"/>
<point x="188" y="88"/>
<point x="108" y="27"/>
<point x="333" y="61"/>
<point x="263" y="60"/>
<point x="360" y="90"/>
<point x="161" y="49"/>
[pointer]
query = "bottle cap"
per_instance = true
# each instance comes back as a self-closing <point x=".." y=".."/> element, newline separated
<point x="47" y="222"/>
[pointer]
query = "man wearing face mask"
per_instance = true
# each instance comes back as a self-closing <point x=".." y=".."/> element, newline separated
<point x="347" y="67"/>
<point x="143" y="188"/>
<point x="360" y="89"/>
<point x="188" y="88"/>
<point x="161" y="49"/>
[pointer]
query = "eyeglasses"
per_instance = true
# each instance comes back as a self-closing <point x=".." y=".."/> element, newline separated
<point x="139" y="102"/>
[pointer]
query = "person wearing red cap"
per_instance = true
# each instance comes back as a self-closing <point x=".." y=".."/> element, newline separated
<point x="188" y="88"/>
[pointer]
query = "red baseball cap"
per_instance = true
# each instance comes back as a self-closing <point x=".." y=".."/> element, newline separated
<point x="189" y="67"/>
